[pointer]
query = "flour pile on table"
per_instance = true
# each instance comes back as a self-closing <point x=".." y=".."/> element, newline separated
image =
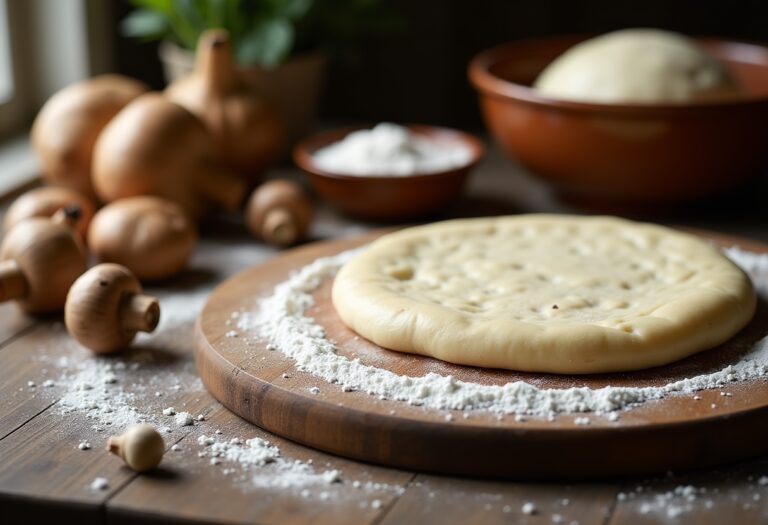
<point x="102" y="396"/>
<point x="256" y="452"/>
<point x="280" y="319"/>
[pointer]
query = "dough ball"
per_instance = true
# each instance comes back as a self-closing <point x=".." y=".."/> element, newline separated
<point x="637" y="66"/>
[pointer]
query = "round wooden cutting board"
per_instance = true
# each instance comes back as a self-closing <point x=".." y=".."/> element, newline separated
<point x="677" y="432"/>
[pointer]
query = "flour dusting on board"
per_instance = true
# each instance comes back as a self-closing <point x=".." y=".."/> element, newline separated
<point x="282" y="322"/>
<point x="102" y="396"/>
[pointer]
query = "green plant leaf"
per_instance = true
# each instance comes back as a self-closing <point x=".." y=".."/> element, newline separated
<point x="183" y="22"/>
<point x="267" y="44"/>
<point x="292" y="9"/>
<point x="236" y="18"/>
<point x="145" y="24"/>
<point x="164" y="6"/>
<point x="263" y="32"/>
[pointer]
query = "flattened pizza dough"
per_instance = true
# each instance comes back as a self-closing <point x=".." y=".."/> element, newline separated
<point x="544" y="293"/>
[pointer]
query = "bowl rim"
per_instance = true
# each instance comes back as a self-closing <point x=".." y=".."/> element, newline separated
<point x="302" y="152"/>
<point x="486" y="83"/>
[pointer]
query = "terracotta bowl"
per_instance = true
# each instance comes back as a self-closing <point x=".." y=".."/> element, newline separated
<point x="389" y="198"/>
<point x="639" y="154"/>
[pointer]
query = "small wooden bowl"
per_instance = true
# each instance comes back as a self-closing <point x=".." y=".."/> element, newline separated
<point x="395" y="197"/>
<point x="634" y="154"/>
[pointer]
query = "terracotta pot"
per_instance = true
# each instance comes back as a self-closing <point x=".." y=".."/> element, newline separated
<point x="295" y="87"/>
<point x="625" y="155"/>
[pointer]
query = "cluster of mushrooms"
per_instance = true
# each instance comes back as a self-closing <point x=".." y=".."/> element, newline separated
<point x="159" y="162"/>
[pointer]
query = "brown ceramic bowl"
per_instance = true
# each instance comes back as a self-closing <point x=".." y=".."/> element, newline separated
<point x="389" y="198"/>
<point x="633" y="154"/>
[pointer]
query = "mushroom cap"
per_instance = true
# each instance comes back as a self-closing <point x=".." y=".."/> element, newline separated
<point x="51" y="257"/>
<point x="151" y="236"/>
<point x="94" y="305"/>
<point x="142" y="447"/>
<point x="275" y="194"/>
<point x="154" y="147"/>
<point x="47" y="200"/>
<point x="66" y="128"/>
<point x="247" y="131"/>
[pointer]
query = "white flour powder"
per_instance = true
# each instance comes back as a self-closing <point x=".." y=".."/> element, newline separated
<point x="275" y="471"/>
<point x="281" y="320"/>
<point x="109" y="394"/>
<point x="93" y="390"/>
<point x="390" y="150"/>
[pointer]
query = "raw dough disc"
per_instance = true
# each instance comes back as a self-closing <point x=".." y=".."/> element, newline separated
<point x="544" y="293"/>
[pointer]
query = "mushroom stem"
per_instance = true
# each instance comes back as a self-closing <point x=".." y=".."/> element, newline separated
<point x="139" y="313"/>
<point x="214" y="61"/>
<point x="13" y="284"/>
<point x="115" y="444"/>
<point x="279" y="227"/>
<point x="68" y="216"/>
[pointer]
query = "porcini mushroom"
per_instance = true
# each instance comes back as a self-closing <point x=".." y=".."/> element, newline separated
<point x="105" y="308"/>
<point x="279" y="212"/>
<point x="151" y="236"/>
<point x="67" y="126"/>
<point x="40" y="258"/>
<point x="141" y="447"/>
<point x="47" y="200"/>
<point x="156" y="147"/>
<point x="246" y="130"/>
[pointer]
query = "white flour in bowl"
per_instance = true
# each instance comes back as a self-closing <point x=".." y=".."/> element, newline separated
<point x="282" y="322"/>
<point x="390" y="150"/>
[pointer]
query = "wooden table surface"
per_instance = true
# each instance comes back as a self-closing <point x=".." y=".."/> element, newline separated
<point x="44" y="475"/>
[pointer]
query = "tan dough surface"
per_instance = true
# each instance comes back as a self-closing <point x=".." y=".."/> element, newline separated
<point x="637" y="66"/>
<point x="544" y="293"/>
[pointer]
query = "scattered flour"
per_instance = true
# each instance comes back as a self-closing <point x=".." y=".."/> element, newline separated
<point x="673" y="503"/>
<point x="275" y="471"/>
<point x="105" y="403"/>
<point x="113" y="393"/>
<point x="281" y="321"/>
<point x="183" y="419"/>
<point x="99" y="484"/>
<point x="390" y="150"/>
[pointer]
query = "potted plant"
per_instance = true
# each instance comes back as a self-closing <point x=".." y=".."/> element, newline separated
<point x="282" y="44"/>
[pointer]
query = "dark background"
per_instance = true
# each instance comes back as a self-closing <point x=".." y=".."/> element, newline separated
<point x="418" y="73"/>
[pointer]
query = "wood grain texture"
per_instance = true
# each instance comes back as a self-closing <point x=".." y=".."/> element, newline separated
<point x="478" y="501"/>
<point x="24" y="373"/>
<point x="12" y="322"/>
<point x="262" y="501"/>
<point x="40" y="452"/>
<point x="731" y="494"/>
<point x="499" y="187"/>
<point x="673" y="433"/>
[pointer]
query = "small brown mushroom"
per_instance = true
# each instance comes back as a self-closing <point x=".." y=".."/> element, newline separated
<point x="150" y="236"/>
<point x="47" y="200"/>
<point x="245" y="129"/>
<point x="67" y="126"/>
<point x="156" y="147"/>
<point x="105" y="308"/>
<point x="40" y="258"/>
<point x="141" y="447"/>
<point x="279" y="212"/>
